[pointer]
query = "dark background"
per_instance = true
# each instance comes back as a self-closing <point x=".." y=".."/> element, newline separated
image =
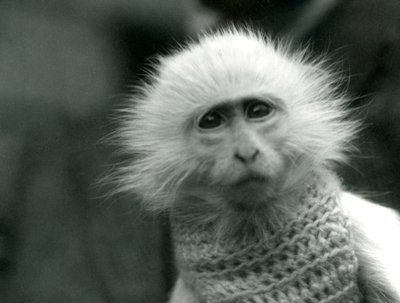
<point x="65" y="66"/>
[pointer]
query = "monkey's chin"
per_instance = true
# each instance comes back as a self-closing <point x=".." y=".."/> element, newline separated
<point x="250" y="194"/>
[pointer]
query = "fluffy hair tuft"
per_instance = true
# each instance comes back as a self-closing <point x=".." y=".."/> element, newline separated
<point x="230" y="64"/>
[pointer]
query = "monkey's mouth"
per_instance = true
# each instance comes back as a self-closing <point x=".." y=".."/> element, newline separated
<point x="252" y="179"/>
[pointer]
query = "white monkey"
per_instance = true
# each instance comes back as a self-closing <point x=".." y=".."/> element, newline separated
<point x="235" y="137"/>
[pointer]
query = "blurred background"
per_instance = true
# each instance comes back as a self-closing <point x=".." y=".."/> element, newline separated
<point x="66" y="65"/>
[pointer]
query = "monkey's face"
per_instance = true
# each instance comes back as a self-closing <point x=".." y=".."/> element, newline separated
<point x="234" y="117"/>
<point x="240" y="145"/>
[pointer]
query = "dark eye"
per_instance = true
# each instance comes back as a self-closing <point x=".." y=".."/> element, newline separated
<point x="211" y="120"/>
<point x="258" y="109"/>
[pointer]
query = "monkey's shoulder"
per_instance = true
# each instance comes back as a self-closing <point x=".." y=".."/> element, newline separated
<point x="376" y="232"/>
<point x="374" y="217"/>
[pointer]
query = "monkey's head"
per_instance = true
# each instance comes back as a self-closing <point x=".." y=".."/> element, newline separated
<point x="234" y="118"/>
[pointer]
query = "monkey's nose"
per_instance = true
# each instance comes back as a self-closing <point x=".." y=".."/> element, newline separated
<point x="248" y="156"/>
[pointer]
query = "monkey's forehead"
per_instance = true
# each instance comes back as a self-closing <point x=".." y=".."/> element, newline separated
<point x="228" y="66"/>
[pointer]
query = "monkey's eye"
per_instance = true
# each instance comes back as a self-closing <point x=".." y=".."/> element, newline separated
<point x="211" y="120"/>
<point x="258" y="109"/>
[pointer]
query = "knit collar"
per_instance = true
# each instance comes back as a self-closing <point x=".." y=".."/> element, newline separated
<point x="310" y="257"/>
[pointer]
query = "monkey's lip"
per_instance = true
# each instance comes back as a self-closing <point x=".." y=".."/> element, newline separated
<point x="251" y="179"/>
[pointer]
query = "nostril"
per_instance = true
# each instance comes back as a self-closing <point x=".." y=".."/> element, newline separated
<point x="248" y="156"/>
<point x="239" y="157"/>
<point x="254" y="155"/>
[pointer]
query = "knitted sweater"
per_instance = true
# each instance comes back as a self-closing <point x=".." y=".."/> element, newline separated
<point x="310" y="259"/>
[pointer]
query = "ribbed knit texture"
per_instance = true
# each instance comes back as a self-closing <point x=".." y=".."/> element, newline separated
<point x="311" y="259"/>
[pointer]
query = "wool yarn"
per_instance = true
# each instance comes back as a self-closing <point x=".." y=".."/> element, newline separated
<point x="310" y="259"/>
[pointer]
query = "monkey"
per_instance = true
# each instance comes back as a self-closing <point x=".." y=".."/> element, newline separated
<point x="236" y="137"/>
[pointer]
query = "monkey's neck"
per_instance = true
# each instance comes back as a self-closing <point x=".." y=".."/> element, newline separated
<point x="230" y="223"/>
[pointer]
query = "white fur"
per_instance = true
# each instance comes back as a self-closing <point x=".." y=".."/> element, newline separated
<point x="181" y="294"/>
<point x="228" y="65"/>
<point x="377" y="234"/>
